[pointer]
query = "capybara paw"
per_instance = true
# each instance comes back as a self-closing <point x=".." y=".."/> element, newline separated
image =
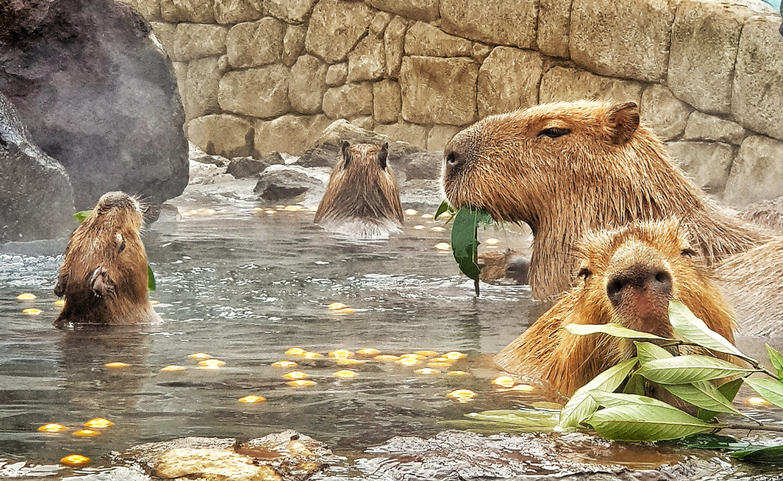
<point x="59" y="287"/>
<point x="101" y="283"/>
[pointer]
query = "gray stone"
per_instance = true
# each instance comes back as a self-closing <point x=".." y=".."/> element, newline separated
<point x="280" y="182"/>
<point x="236" y="11"/>
<point x="554" y="27"/>
<point x="196" y="11"/>
<point x="707" y="163"/>
<point x="569" y="84"/>
<point x="336" y="74"/>
<point x="423" y="10"/>
<point x="413" y="134"/>
<point x="439" y="90"/>
<point x="193" y="40"/>
<point x="757" y="102"/>
<point x="393" y="43"/>
<point x="291" y="11"/>
<point x="663" y="112"/>
<point x="756" y="172"/>
<point x="508" y="80"/>
<point x="224" y="135"/>
<point x="200" y="88"/>
<point x="705" y="38"/>
<point x="348" y="101"/>
<point x="367" y="61"/>
<point x="293" y="43"/>
<point x="386" y="101"/>
<point x="424" y="165"/>
<point x="245" y="167"/>
<point x="425" y="40"/>
<point x="439" y="136"/>
<point x="493" y="21"/>
<point x="335" y="27"/>
<point x="308" y="84"/>
<point x="606" y="37"/>
<point x="259" y="92"/>
<point x="253" y="44"/>
<point x="701" y="126"/>
<point x="291" y="134"/>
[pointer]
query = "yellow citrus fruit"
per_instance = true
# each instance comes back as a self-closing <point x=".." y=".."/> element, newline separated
<point x="336" y="306"/>
<point x="295" y="375"/>
<point x="52" y="428"/>
<point x="251" y="399"/>
<point x="86" y="433"/>
<point x="492" y="241"/>
<point x="98" y="423"/>
<point x="412" y="355"/>
<point x="301" y="383"/>
<point x="345" y="373"/>
<point x="439" y="365"/>
<point x="454" y="355"/>
<point x="59" y="302"/>
<point x="427" y="371"/>
<point x="312" y="355"/>
<point x="443" y="246"/>
<point x="437" y="229"/>
<point x="418" y="227"/>
<point x="154" y="303"/>
<point x="200" y="356"/>
<point x="26" y="296"/>
<point x="340" y="354"/>
<point x="350" y="362"/>
<point x="293" y="208"/>
<point x="368" y="351"/>
<point x="31" y="311"/>
<point x="386" y="357"/>
<point x="504" y="381"/>
<point x="295" y="351"/>
<point x="172" y="368"/>
<point x="522" y="388"/>
<point x="75" y="460"/>
<point x="116" y="365"/>
<point x="284" y="364"/>
<point x="757" y="401"/>
<point x="461" y="394"/>
<point x="411" y="212"/>
<point x="211" y="364"/>
<point x="456" y="373"/>
<point x="407" y="361"/>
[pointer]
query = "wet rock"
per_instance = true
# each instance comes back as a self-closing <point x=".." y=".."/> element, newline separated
<point x="280" y="182"/>
<point x="243" y="167"/>
<point x="199" y="87"/>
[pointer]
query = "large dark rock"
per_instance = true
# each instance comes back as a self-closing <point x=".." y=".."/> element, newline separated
<point x="96" y="94"/>
<point x="35" y="192"/>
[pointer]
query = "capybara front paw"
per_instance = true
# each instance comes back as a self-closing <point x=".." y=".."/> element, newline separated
<point x="101" y="283"/>
<point x="59" y="287"/>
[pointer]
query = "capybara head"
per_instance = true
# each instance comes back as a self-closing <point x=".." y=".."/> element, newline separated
<point x="625" y="276"/>
<point x="104" y="275"/>
<point x="503" y="267"/>
<point x="571" y="167"/>
<point x="362" y="197"/>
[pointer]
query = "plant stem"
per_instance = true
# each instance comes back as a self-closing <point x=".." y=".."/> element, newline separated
<point x="753" y="427"/>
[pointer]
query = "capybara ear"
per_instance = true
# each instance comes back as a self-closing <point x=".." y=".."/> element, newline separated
<point x="383" y="155"/>
<point x="345" y="153"/>
<point x="622" y="120"/>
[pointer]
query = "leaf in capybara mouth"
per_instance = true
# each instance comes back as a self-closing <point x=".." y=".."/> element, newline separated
<point x="463" y="240"/>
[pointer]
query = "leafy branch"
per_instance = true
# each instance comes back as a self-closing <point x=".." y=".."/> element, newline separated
<point x="464" y="242"/>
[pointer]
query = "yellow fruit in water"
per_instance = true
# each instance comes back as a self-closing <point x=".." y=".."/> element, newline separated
<point x="345" y="373"/>
<point x="443" y="246"/>
<point x="504" y="381"/>
<point x="461" y="394"/>
<point x="52" y="428"/>
<point x="312" y="355"/>
<point x="386" y="357"/>
<point x="200" y="355"/>
<point x="295" y="351"/>
<point x="411" y="212"/>
<point x="522" y="388"/>
<point x="98" y="423"/>
<point x="454" y="355"/>
<point x="172" y="368"/>
<point x="757" y="401"/>
<point x="350" y="362"/>
<point x="211" y="364"/>
<point x="368" y="351"/>
<point x="439" y="365"/>
<point x="86" y="433"/>
<point x="295" y="375"/>
<point x="437" y="229"/>
<point x="341" y="354"/>
<point x="251" y="399"/>
<point x="427" y="371"/>
<point x="116" y="365"/>
<point x="457" y="373"/>
<point x="407" y="361"/>
<point x="336" y="306"/>
<point x="284" y="364"/>
<point x="492" y="241"/>
<point x="75" y="460"/>
<point x="59" y="302"/>
<point x="26" y="296"/>
<point x="31" y="311"/>
<point x="301" y="383"/>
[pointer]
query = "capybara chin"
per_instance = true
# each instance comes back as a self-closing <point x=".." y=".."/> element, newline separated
<point x="626" y="276"/>
<point x="569" y="168"/>
<point x="362" y="198"/>
<point x="104" y="275"/>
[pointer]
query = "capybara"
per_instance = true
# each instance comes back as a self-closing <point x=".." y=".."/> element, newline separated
<point x="104" y="275"/>
<point x="362" y="198"/>
<point x="503" y="267"/>
<point x="626" y="276"/>
<point x="569" y="168"/>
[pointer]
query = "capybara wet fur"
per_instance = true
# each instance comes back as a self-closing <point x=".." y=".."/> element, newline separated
<point x="104" y="275"/>
<point x="571" y="167"/>
<point x="362" y="198"/>
<point x="625" y="276"/>
<point x="503" y="267"/>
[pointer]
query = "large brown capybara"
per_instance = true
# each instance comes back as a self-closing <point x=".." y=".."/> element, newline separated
<point x="104" y="275"/>
<point x="569" y="168"/>
<point x="626" y="276"/>
<point x="362" y="198"/>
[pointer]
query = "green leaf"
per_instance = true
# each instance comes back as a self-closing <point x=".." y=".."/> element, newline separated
<point x="710" y="441"/>
<point x="635" y="385"/>
<point x="443" y="207"/>
<point x="695" y="330"/>
<point x="646" y="422"/>
<point x="770" y="390"/>
<point x="582" y="405"/>
<point x="703" y="395"/>
<point x="463" y="239"/>
<point x="151" y="284"/>
<point x="647" y="351"/>
<point x="688" y="369"/>
<point x="728" y="390"/>
<point x="525" y="418"/>
<point x="764" y="455"/>
<point x="81" y="215"/>
<point x="777" y="361"/>
<point x="611" y="329"/>
<point x="614" y="399"/>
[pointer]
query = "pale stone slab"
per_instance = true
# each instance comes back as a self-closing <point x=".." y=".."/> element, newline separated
<point x="386" y="101"/>
<point x="291" y="11"/>
<point x="349" y="101"/>
<point x="416" y="135"/>
<point x="149" y="9"/>
<point x="706" y="163"/>
<point x="569" y="84"/>
<point x="224" y="135"/>
<point x="196" y="11"/>
<point x="308" y="85"/>
<point x="425" y="40"/>
<point x="440" y="135"/>
<point x="423" y="10"/>
<point x="498" y="22"/>
<point x="554" y="27"/>
<point x="201" y="88"/>
<point x="293" y="43"/>
<point x="253" y="44"/>
<point x="165" y="33"/>
<point x="335" y="27"/>
<point x="336" y="74"/>
<point x="663" y="112"/>
<point x="367" y="61"/>
<point x="701" y="126"/>
<point x="756" y="172"/>
<point x="259" y="92"/>
<point x="236" y="11"/>
<point x="292" y="134"/>
<point x="393" y="42"/>
<point x="439" y="90"/>
<point x="508" y="80"/>
<point x="193" y="40"/>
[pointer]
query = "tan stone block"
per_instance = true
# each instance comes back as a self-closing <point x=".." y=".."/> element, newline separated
<point x="149" y="9"/>
<point x="706" y="163"/>
<point x="423" y="10"/>
<point x="235" y="11"/>
<point x="349" y="101"/>
<point x="292" y="134"/>
<point x="201" y="88"/>
<point x="393" y="42"/>
<point x="253" y="44"/>
<point x="293" y="43"/>
<point x="291" y="11"/>
<point x="480" y="51"/>
<point x="439" y="90"/>
<point x="367" y="61"/>
<point x="181" y="74"/>
<point x="165" y="33"/>
<point x="258" y="92"/>
<point x="212" y="464"/>
<point x="508" y="80"/>
<point x="225" y="135"/>
<point x="701" y="126"/>
<point x="554" y="26"/>
<point x="308" y="84"/>
<point x="498" y="22"/>
<point x="193" y="40"/>
<point x="335" y="27"/>
<point x="386" y="101"/>
<point x="425" y="40"/>
<point x="365" y="123"/>
<point x="756" y="172"/>
<point x="336" y="74"/>
<point x="416" y="135"/>
<point x="663" y="112"/>
<point x="196" y="11"/>
<point x="569" y="84"/>
<point x="440" y="135"/>
<point x="379" y="23"/>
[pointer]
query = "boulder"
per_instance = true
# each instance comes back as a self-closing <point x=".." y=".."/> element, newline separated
<point x="367" y="61"/>
<point x="308" y="84"/>
<point x="756" y="172"/>
<point x="291" y="134"/>
<point x="256" y="92"/>
<point x="224" y="135"/>
<point x="701" y="126"/>
<point x="281" y="182"/>
<point x="423" y="165"/>
<point x="423" y="10"/>
<point x="386" y="101"/>
<point x="244" y="167"/>
<point x="707" y="163"/>
<point x="425" y="40"/>
<point x="98" y="95"/>
<point x="348" y="101"/>
<point x="554" y="26"/>
<point x="394" y="44"/>
<point x="253" y="44"/>
<point x="291" y="11"/>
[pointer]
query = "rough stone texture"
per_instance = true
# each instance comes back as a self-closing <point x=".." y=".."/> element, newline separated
<point x="291" y="11"/>
<point x="705" y="36"/>
<point x="193" y="40"/>
<point x="280" y="182"/>
<point x="756" y="172"/>
<point x="97" y="94"/>
<point x="493" y="21"/>
<point x="236" y="11"/>
<point x="379" y="23"/>
<point x="35" y="190"/>
<point x="367" y="61"/>
<point x="394" y="44"/>
<point x="254" y="44"/>
<point x="149" y="9"/>
<point x="308" y="84"/>
<point x="757" y="101"/>
<point x="423" y="165"/>
<point x="348" y="101"/>
<point x="165" y="33"/>
<point x="260" y="92"/>
<point x="415" y="135"/>
<point x="196" y="11"/>
<point x="365" y="122"/>
<point x="439" y="136"/>
<point x="701" y="126"/>
<point x="438" y="90"/>
<point x="290" y="133"/>
<point x="663" y="112"/>
<point x="293" y="43"/>
<point x="200" y="88"/>
<point x="335" y="27"/>
<point x="606" y="37"/>
<point x="554" y="25"/>
<point x="425" y="40"/>
<point x="386" y="101"/>
<point x="336" y="74"/>
<point x="569" y="84"/>
<point x="245" y="167"/>
<point x="212" y="464"/>
<point x="423" y="10"/>
<point x="508" y="80"/>
<point x="224" y="135"/>
<point x="707" y="163"/>
<point x="480" y="51"/>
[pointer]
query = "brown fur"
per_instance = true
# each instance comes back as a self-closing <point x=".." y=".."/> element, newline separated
<point x="569" y="168"/>
<point x="362" y="197"/>
<point x="104" y="274"/>
<point x="627" y="276"/>
<point x="504" y="267"/>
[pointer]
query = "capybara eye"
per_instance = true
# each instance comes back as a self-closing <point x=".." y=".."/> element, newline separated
<point x="688" y="252"/>
<point x="554" y="132"/>
<point x="451" y="159"/>
<point x="584" y="273"/>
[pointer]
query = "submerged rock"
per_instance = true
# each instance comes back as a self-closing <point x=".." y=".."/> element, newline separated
<point x="281" y="182"/>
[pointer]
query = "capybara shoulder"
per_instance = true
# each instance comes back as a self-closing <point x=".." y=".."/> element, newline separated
<point x="572" y="167"/>
<point x="626" y="276"/>
<point x="362" y="198"/>
<point x="104" y="274"/>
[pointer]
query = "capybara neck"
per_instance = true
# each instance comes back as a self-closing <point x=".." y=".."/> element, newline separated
<point x="362" y="198"/>
<point x="626" y="276"/>
<point x="568" y="168"/>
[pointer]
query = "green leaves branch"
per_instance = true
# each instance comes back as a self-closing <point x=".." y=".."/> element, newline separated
<point x="464" y="242"/>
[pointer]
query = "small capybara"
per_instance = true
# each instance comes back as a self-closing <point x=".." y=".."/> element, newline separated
<point x="104" y="275"/>
<point x="572" y="167"/>
<point x="362" y="198"/>
<point x="626" y="276"/>
<point x="503" y="267"/>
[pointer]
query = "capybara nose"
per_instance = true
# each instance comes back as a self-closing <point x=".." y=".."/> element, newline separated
<point x="639" y="278"/>
<point x="453" y="158"/>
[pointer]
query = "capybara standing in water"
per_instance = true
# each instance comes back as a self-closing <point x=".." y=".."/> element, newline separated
<point x="362" y="198"/>
<point x="104" y="274"/>
<point x="626" y="276"/>
<point x="506" y="267"/>
<point x="569" y="168"/>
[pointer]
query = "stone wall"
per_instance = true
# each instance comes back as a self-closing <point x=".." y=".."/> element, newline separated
<point x="258" y="76"/>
